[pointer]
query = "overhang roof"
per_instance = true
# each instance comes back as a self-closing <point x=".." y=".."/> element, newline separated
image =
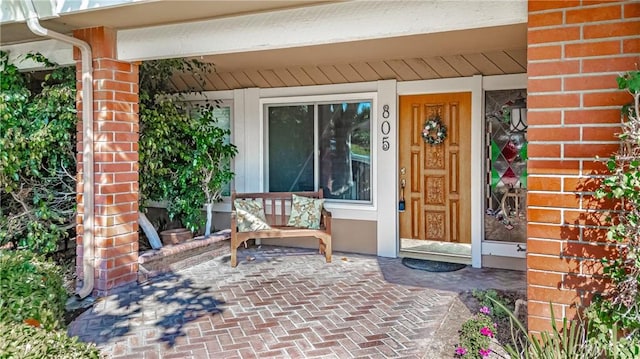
<point x="300" y="43"/>
<point x="488" y="51"/>
<point x="128" y="14"/>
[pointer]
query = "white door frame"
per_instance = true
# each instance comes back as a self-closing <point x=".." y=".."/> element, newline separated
<point x="505" y="249"/>
<point x="476" y="85"/>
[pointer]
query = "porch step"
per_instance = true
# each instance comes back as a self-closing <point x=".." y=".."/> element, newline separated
<point x="174" y="257"/>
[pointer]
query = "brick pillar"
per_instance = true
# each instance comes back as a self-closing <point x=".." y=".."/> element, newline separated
<point x="115" y="117"/>
<point x="576" y="49"/>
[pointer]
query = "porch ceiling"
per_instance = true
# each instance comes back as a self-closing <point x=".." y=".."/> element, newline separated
<point x="487" y="51"/>
<point x="142" y="13"/>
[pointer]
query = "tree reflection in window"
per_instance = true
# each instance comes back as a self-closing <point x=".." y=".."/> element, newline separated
<point x="343" y="143"/>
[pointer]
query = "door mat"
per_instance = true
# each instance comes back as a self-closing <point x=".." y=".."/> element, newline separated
<point x="431" y="266"/>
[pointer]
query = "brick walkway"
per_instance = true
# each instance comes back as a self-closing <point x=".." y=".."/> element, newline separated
<point x="285" y="303"/>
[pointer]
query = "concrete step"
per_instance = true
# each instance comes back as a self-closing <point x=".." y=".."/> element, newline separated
<point x="174" y="257"/>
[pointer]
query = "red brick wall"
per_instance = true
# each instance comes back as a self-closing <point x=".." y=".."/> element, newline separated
<point x="116" y="162"/>
<point x="576" y="49"/>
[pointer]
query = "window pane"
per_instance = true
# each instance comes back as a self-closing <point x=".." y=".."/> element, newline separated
<point x="222" y="116"/>
<point x="345" y="150"/>
<point x="290" y="148"/>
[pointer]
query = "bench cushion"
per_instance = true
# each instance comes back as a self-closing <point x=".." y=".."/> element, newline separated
<point x="305" y="212"/>
<point x="250" y="215"/>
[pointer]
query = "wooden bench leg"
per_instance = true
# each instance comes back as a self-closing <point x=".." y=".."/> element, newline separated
<point x="328" y="251"/>
<point x="234" y="256"/>
<point x="325" y="247"/>
<point x="235" y="243"/>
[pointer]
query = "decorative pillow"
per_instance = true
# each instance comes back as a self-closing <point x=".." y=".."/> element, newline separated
<point x="305" y="212"/>
<point x="250" y="215"/>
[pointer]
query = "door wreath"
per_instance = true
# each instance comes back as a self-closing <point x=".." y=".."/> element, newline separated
<point x="434" y="131"/>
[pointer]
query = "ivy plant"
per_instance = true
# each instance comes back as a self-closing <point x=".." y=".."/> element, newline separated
<point x="617" y="312"/>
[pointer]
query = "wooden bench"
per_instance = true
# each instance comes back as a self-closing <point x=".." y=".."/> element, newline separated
<point x="275" y="205"/>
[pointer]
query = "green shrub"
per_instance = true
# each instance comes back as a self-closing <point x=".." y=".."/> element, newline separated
<point x="21" y="341"/>
<point x="488" y="297"/>
<point x="37" y="156"/>
<point x="31" y="288"/>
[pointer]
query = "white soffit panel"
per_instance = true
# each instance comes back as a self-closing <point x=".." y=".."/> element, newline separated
<point x="322" y="24"/>
<point x="56" y="51"/>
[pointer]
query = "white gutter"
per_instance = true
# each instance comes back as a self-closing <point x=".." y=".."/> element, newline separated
<point x="87" y="142"/>
<point x="48" y="9"/>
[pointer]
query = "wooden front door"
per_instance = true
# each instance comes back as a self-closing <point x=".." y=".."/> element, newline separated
<point x="437" y="179"/>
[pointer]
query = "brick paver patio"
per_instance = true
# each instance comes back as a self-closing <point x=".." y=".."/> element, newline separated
<point x="284" y="303"/>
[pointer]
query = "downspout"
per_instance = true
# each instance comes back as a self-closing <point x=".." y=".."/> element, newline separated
<point x="87" y="142"/>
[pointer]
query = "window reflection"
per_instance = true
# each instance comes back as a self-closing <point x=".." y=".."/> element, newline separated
<point x="343" y="149"/>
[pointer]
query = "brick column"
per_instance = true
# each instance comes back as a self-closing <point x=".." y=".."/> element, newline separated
<point x="115" y="116"/>
<point x="576" y="49"/>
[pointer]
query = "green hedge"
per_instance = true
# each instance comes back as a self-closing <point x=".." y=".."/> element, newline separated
<point x="31" y="288"/>
<point x="21" y="341"/>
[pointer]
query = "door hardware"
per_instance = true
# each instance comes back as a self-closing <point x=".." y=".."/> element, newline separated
<point x="401" y="204"/>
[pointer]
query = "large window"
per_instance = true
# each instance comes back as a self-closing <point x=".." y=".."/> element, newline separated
<point x="320" y="145"/>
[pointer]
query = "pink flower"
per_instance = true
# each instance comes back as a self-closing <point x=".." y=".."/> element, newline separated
<point x="486" y="332"/>
<point x="461" y="351"/>
<point x="485" y="310"/>
<point x="484" y="352"/>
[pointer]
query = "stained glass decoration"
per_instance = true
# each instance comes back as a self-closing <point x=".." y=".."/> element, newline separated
<point x="506" y="168"/>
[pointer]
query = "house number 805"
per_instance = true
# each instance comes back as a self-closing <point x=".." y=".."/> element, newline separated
<point x="385" y="128"/>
